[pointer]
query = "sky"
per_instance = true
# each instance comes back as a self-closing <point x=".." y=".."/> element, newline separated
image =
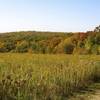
<point x="49" y="15"/>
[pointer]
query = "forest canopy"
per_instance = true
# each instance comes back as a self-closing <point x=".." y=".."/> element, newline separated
<point x="51" y="42"/>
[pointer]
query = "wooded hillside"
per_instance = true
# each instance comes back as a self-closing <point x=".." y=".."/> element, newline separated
<point x="51" y="42"/>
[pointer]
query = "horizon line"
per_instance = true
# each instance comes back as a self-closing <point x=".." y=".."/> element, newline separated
<point x="43" y="31"/>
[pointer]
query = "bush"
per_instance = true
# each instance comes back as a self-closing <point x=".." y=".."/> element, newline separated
<point x="68" y="48"/>
<point x="22" y="47"/>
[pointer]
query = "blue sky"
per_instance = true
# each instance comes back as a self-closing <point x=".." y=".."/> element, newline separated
<point x="49" y="15"/>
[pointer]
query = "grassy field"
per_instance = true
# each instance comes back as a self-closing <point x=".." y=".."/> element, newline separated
<point x="45" y="77"/>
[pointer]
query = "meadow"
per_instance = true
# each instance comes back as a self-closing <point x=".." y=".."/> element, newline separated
<point x="46" y="77"/>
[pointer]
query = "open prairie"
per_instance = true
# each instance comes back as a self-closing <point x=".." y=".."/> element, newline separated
<point x="45" y="77"/>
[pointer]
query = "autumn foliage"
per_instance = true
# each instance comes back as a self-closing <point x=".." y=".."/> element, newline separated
<point x="51" y="42"/>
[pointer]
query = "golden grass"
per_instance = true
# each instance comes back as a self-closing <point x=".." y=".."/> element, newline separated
<point x="45" y="77"/>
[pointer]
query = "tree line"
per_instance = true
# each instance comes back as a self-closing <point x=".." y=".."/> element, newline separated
<point x="51" y="42"/>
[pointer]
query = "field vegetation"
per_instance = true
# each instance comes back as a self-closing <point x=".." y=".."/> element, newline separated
<point x="48" y="65"/>
<point x="46" y="77"/>
<point x="51" y="42"/>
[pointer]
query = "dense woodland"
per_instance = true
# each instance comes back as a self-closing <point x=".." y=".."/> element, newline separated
<point x="51" y="42"/>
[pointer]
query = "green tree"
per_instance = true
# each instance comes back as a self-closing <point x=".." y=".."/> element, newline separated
<point x="9" y="45"/>
<point x="68" y="48"/>
<point x="97" y="29"/>
<point x="22" y="47"/>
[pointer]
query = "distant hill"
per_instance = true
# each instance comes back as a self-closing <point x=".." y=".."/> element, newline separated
<point x="51" y="42"/>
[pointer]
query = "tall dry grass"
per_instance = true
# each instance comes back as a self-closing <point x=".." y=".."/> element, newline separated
<point x="45" y="77"/>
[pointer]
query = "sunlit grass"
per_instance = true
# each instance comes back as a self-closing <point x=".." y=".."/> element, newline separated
<point x="45" y="77"/>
